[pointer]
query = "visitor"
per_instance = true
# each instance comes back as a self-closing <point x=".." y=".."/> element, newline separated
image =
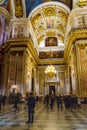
<point x="31" y="106"/>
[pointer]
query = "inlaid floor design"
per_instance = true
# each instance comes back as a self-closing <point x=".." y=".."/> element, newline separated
<point x="47" y="119"/>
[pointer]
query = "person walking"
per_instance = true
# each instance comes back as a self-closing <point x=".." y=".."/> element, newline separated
<point x="16" y="101"/>
<point x="59" y="102"/>
<point x="47" y="99"/>
<point x="31" y="106"/>
<point x="4" y="98"/>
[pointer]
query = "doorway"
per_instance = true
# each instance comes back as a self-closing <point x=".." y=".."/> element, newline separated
<point x="52" y="90"/>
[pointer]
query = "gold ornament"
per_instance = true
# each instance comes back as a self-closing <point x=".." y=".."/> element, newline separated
<point x="18" y="9"/>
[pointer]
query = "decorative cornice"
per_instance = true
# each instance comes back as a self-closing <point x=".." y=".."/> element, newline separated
<point x="73" y="36"/>
<point x="28" y="43"/>
<point x="25" y="42"/>
<point x="53" y="62"/>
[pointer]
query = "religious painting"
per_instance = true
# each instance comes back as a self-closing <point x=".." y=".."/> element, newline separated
<point x="5" y="4"/>
<point x="51" y="41"/>
<point x="50" y="23"/>
<point x="54" y="54"/>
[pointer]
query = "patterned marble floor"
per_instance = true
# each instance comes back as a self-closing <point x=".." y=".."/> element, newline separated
<point x="47" y="119"/>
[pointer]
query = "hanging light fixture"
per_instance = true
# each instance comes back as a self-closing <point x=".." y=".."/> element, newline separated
<point x="50" y="70"/>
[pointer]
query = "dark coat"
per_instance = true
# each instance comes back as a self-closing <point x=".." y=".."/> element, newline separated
<point x="31" y="102"/>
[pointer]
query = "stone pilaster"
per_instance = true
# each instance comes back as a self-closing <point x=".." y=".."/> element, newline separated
<point x="82" y="66"/>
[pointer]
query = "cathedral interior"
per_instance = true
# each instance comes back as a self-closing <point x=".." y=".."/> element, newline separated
<point x="35" y="34"/>
<point x="43" y="50"/>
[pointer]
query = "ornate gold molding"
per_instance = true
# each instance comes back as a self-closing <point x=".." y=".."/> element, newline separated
<point x="49" y="11"/>
<point x="81" y="45"/>
<point x="35" y="19"/>
<point x="73" y="36"/>
<point x="22" y="43"/>
<point x="26" y="43"/>
<point x="82" y="3"/>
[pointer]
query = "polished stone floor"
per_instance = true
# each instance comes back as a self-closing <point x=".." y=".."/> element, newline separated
<point x="45" y="119"/>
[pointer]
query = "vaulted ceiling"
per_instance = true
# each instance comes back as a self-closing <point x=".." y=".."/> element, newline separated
<point x="49" y="20"/>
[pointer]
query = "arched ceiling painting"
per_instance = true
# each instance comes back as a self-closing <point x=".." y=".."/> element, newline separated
<point x="4" y="4"/>
<point x="31" y="4"/>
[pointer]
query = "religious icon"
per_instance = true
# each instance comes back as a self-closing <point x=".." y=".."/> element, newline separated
<point x="51" y="41"/>
<point x="50" y="23"/>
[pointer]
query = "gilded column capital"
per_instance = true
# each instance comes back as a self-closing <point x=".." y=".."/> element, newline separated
<point x="81" y="45"/>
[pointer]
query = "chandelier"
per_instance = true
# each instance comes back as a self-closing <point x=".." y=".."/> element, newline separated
<point x="50" y="70"/>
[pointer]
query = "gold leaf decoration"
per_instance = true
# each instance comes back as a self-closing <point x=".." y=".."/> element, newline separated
<point x="50" y="11"/>
<point x="40" y="39"/>
<point x="61" y="37"/>
<point x="63" y="15"/>
<point x="36" y="19"/>
<point x="18" y="9"/>
<point x="40" y="28"/>
<point x="50" y="33"/>
<point x="82" y="3"/>
<point x="60" y="27"/>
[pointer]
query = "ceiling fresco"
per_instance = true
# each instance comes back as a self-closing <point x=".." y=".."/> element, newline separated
<point x="51" y="41"/>
<point x="49" y="21"/>
<point x="53" y="54"/>
<point x="4" y="4"/>
<point x="31" y="4"/>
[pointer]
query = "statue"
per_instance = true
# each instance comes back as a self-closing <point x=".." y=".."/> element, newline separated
<point x="18" y="8"/>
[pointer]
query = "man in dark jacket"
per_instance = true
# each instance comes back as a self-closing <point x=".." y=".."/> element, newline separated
<point x="16" y="101"/>
<point x="31" y="106"/>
